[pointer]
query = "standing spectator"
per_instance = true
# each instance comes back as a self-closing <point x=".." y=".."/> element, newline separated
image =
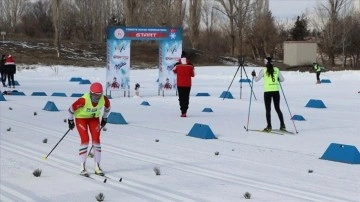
<point x="87" y="110"/>
<point x="10" y="70"/>
<point x="2" y="70"/>
<point x="272" y="76"/>
<point x="317" y="69"/>
<point x="184" y="70"/>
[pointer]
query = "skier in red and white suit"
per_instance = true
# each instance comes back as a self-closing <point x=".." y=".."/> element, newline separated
<point x="87" y="110"/>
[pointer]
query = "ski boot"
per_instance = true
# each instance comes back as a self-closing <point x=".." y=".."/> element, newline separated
<point x="282" y="127"/>
<point x="83" y="171"/>
<point x="98" y="170"/>
<point x="267" y="129"/>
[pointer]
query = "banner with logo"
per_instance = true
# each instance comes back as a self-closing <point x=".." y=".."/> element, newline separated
<point x="118" y="67"/>
<point x="118" y="54"/>
<point x="170" y="53"/>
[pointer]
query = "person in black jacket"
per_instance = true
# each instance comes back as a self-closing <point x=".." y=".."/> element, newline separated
<point x="2" y="70"/>
<point x="10" y="70"/>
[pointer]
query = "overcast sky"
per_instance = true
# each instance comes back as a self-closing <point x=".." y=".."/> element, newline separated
<point x="291" y="8"/>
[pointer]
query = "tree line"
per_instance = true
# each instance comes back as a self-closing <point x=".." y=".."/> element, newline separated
<point x="213" y="27"/>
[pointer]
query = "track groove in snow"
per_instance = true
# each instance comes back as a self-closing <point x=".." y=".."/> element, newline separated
<point x="162" y="195"/>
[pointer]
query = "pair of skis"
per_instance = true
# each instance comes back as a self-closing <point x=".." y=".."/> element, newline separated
<point x="104" y="178"/>
<point x="274" y="131"/>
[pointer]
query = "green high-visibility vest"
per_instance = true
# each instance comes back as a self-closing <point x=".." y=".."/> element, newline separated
<point x="317" y="68"/>
<point x="271" y="84"/>
<point x="88" y="110"/>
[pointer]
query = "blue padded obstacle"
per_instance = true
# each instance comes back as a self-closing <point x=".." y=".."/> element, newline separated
<point x="226" y="94"/>
<point x="85" y="81"/>
<point x="38" y="94"/>
<point x="298" y="118"/>
<point x="76" y="95"/>
<point x="325" y="81"/>
<point x="58" y="94"/>
<point x="207" y="110"/>
<point x="145" y="103"/>
<point x="245" y="81"/>
<point x="342" y="153"/>
<point x="76" y="79"/>
<point x="315" y="104"/>
<point x="2" y="98"/>
<point x="202" y="94"/>
<point x="201" y="131"/>
<point x="17" y="93"/>
<point x="50" y="106"/>
<point x="116" y="118"/>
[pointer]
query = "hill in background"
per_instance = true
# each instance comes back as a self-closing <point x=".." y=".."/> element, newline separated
<point x="144" y="54"/>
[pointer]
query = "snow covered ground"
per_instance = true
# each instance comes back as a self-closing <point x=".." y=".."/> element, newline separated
<point x="269" y="167"/>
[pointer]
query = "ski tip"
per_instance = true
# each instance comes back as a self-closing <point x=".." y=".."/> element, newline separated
<point x="120" y="179"/>
<point x="44" y="157"/>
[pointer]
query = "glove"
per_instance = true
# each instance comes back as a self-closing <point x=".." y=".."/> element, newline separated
<point x="71" y="124"/>
<point x="253" y="73"/>
<point x="103" y="122"/>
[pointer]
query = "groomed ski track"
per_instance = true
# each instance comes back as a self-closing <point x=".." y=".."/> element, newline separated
<point x="144" y="190"/>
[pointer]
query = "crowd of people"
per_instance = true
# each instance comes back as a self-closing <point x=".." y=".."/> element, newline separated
<point x="7" y="70"/>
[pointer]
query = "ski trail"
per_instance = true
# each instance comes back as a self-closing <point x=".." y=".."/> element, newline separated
<point x="211" y="173"/>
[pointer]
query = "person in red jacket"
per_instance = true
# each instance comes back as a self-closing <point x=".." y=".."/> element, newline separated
<point x="87" y="110"/>
<point x="10" y="70"/>
<point x="184" y="70"/>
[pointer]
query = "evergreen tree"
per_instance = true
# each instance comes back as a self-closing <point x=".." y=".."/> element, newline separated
<point x="299" y="31"/>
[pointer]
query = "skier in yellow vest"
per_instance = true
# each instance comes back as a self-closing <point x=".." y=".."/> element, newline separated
<point x="87" y="110"/>
<point x="272" y="76"/>
<point x="317" y="69"/>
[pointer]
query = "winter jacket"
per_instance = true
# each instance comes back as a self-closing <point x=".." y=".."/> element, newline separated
<point x="2" y="64"/>
<point x="10" y="67"/>
<point x="184" y="70"/>
<point x="317" y="67"/>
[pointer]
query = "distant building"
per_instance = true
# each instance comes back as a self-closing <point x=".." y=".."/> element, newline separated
<point x="298" y="53"/>
<point x="357" y="5"/>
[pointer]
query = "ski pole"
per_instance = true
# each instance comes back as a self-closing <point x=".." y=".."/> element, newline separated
<point x="45" y="157"/>
<point x="89" y="153"/>
<point x="288" y="107"/>
<point x="251" y="85"/>
<point x="251" y="93"/>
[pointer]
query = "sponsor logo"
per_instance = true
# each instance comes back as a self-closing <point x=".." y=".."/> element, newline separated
<point x="171" y="58"/>
<point x="172" y="49"/>
<point x="172" y="35"/>
<point x="119" y="33"/>
<point x="121" y="46"/>
<point x="118" y="66"/>
<point x="120" y="57"/>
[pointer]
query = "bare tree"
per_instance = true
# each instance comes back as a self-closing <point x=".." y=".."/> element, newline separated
<point x="12" y="11"/>
<point x="129" y="8"/>
<point x="227" y="7"/>
<point x="331" y="36"/>
<point x="194" y="21"/>
<point x="242" y="17"/>
<point x="209" y="17"/>
<point x="56" y="21"/>
<point x="351" y="46"/>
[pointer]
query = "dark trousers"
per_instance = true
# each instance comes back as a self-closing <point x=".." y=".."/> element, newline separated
<point x="3" y="78"/>
<point x="275" y="95"/>
<point x="184" y="96"/>
<point x="11" y="80"/>
<point x="318" y="76"/>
